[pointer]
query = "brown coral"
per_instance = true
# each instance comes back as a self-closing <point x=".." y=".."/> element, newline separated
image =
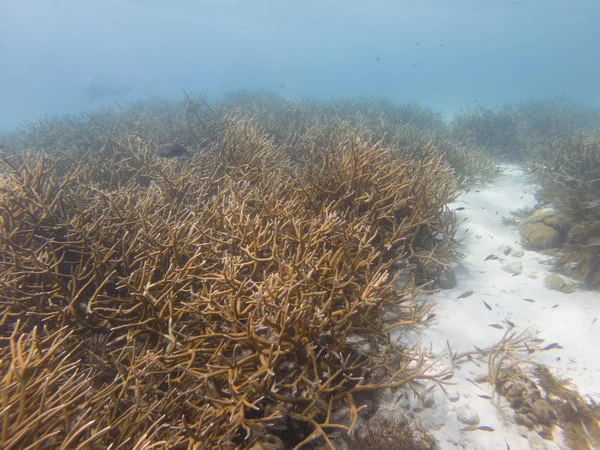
<point x="151" y="303"/>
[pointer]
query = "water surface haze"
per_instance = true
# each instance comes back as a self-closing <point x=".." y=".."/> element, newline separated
<point x="444" y="54"/>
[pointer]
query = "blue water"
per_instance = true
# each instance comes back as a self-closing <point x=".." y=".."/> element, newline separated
<point x="444" y="54"/>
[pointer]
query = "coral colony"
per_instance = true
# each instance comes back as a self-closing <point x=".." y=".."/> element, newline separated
<point x="244" y="296"/>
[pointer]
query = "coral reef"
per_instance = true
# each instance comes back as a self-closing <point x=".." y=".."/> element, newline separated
<point x="388" y="430"/>
<point x="569" y="175"/>
<point x="540" y="401"/>
<point x="243" y="296"/>
<point x="513" y="132"/>
<point x="219" y="301"/>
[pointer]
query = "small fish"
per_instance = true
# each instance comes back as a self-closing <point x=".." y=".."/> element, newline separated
<point x="417" y="43"/>
<point x="474" y="428"/>
<point x="492" y="257"/>
<point x="553" y="345"/>
<point x="377" y="58"/>
<point x="520" y="197"/>
<point x="467" y="230"/>
<point x="465" y="294"/>
<point x="591" y="204"/>
<point x="479" y="350"/>
<point x="282" y="85"/>
<point x="530" y="300"/>
<point x="510" y="324"/>
<point x="496" y="325"/>
<point x="528" y="349"/>
<point x="430" y="316"/>
<point x="465" y="219"/>
<point x="594" y="321"/>
<point x="538" y="340"/>
<point x="460" y="208"/>
<point x="468" y="190"/>
<point x="170" y="150"/>
<point x="415" y="64"/>
<point x="486" y="397"/>
<point x="452" y="355"/>
<point x="487" y="306"/>
<point x="447" y="377"/>
<point x="555" y="306"/>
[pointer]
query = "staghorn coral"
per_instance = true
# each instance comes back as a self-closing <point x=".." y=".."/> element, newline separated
<point x="156" y="303"/>
<point x="390" y="431"/>
<point x="569" y="175"/>
<point x="540" y="400"/>
<point x="514" y="131"/>
<point x="579" y="416"/>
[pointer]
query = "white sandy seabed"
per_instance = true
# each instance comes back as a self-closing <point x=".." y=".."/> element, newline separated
<point x="465" y="322"/>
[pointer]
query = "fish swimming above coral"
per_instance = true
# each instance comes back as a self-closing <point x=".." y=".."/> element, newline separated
<point x="170" y="150"/>
<point x="94" y="91"/>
